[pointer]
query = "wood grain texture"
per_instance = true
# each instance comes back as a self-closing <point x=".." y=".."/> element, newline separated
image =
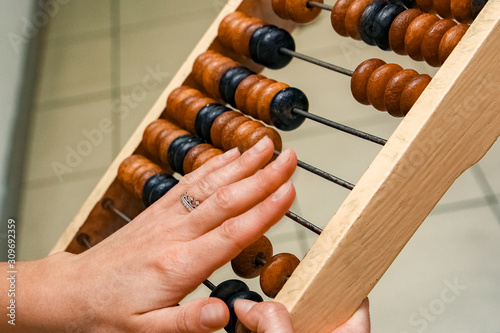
<point x="419" y="163"/>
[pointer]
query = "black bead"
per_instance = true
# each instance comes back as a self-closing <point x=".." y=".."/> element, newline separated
<point x="265" y="48"/>
<point x="382" y="24"/>
<point x="227" y="289"/>
<point x="250" y="295"/>
<point x="476" y="6"/>
<point x="282" y="105"/>
<point x="367" y="19"/>
<point x="230" y="81"/>
<point x="178" y="150"/>
<point x="205" y="119"/>
<point x="156" y="187"/>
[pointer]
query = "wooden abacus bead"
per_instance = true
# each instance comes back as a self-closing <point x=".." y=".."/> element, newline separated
<point x="227" y="289"/>
<point x="394" y="90"/>
<point x="249" y="295"/>
<point x="193" y="108"/>
<point x="253" y="95"/>
<point x="415" y="34"/>
<point x="353" y="16"/>
<point x="226" y="27"/>
<point x="279" y="8"/>
<point x="213" y="73"/>
<point x="127" y="169"/>
<point x="375" y="89"/>
<point x="205" y="119"/>
<point x="382" y="24"/>
<point x="398" y="30"/>
<point x="218" y="126"/>
<point x="178" y="150"/>
<point x="165" y="144"/>
<point x="239" y="136"/>
<point x="174" y="107"/>
<point x="412" y="92"/>
<point x="206" y="156"/>
<point x="300" y="12"/>
<point x="265" y="45"/>
<point x="258" y="134"/>
<point x="229" y="129"/>
<point x="265" y="100"/>
<point x="276" y="272"/>
<point x="367" y="18"/>
<point x="193" y="154"/>
<point x="442" y="7"/>
<point x="426" y="6"/>
<point x="282" y="105"/>
<point x="338" y="16"/>
<point x="450" y="40"/>
<point x="199" y="64"/>
<point x="243" y="34"/>
<point x="229" y="82"/>
<point x="243" y="89"/>
<point x="250" y="261"/>
<point x="360" y="77"/>
<point x="432" y="39"/>
<point x="461" y="10"/>
<point x="156" y="187"/>
<point x="154" y="134"/>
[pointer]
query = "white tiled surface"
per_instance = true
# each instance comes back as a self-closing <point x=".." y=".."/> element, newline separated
<point x="458" y="241"/>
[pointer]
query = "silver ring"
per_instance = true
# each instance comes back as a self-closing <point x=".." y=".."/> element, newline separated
<point x="189" y="202"/>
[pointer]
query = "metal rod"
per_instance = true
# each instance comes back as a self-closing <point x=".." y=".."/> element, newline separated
<point x="108" y="204"/>
<point x="209" y="285"/>
<point x="303" y="222"/>
<point x="318" y="62"/>
<point x="84" y="240"/>
<point x="340" y="127"/>
<point x="319" y="5"/>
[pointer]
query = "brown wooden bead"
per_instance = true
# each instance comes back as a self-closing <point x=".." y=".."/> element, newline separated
<point x="176" y="109"/>
<point x="229" y="129"/>
<point x="412" y="92"/>
<point x="127" y="169"/>
<point x="218" y="126"/>
<point x="395" y="88"/>
<point x="206" y="156"/>
<point x="299" y="11"/>
<point x="258" y="134"/>
<point x="442" y="7"/>
<point x="165" y="144"/>
<point x="352" y="17"/>
<point x="241" y="44"/>
<point x="141" y="176"/>
<point x="253" y="96"/>
<point x="243" y="88"/>
<point x="192" y="155"/>
<point x="360" y="77"/>
<point x="432" y="39"/>
<point x="450" y="41"/>
<point x="415" y="34"/>
<point x="265" y="99"/>
<point x="250" y="261"/>
<point x="150" y="134"/>
<point x="276" y="272"/>
<point x="461" y="10"/>
<point x="242" y="132"/>
<point x="200" y="63"/>
<point x="279" y="8"/>
<point x="378" y="81"/>
<point x="398" y="29"/>
<point x="192" y="110"/>
<point x="426" y="6"/>
<point x="210" y="72"/>
<point x="338" y="16"/>
<point x="173" y="96"/>
<point x="225" y="32"/>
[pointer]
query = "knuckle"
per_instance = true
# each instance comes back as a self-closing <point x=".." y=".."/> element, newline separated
<point x="229" y="231"/>
<point x="205" y="187"/>
<point x="223" y="197"/>
<point x="182" y="321"/>
<point x="188" y="180"/>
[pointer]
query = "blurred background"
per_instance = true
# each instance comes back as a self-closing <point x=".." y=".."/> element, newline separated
<point x="68" y="65"/>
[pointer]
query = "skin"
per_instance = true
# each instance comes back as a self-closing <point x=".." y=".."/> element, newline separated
<point x="133" y="280"/>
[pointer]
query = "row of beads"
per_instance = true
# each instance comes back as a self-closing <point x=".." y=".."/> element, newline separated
<point x="255" y="39"/>
<point x="464" y="11"/>
<point x="215" y="123"/>
<point x="147" y="181"/>
<point x="296" y="10"/>
<point x="390" y="26"/>
<point x="253" y="94"/>
<point x="387" y="86"/>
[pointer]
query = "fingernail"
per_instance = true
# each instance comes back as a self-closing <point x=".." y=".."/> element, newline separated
<point x="244" y="305"/>
<point x="213" y="315"/>
<point x="280" y="193"/>
<point x="260" y="146"/>
<point x="230" y="153"/>
<point x="282" y="159"/>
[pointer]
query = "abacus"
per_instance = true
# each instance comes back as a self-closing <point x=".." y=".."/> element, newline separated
<point x="447" y="128"/>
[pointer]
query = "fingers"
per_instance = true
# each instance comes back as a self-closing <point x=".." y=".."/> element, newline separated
<point x="222" y="244"/>
<point x="239" y="197"/>
<point x="359" y="322"/>
<point x="203" y="315"/>
<point x="264" y="317"/>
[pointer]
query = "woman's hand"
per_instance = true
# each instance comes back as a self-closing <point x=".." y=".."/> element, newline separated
<point x="132" y="281"/>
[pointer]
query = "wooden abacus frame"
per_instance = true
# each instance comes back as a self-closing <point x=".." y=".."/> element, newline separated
<point x="452" y="125"/>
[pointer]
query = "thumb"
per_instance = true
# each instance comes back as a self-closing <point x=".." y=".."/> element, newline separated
<point x="202" y="315"/>
<point x="264" y="317"/>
